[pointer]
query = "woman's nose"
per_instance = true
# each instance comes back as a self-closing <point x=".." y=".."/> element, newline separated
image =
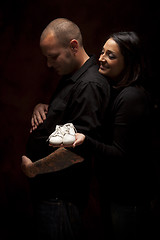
<point x="102" y="58"/>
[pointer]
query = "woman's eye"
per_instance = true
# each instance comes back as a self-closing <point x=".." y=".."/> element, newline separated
<point x="111" y="56"/>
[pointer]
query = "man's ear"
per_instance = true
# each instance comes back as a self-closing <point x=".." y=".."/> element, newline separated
<point x="74" y="45"/>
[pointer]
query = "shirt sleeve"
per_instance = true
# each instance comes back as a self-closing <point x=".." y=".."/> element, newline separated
<point x="87" y="108"/>
<point x="130" y="115"/>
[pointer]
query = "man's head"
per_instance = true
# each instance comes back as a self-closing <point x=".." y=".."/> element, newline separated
<point x="61" y="43"/>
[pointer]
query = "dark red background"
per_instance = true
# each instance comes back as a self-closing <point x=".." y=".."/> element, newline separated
<point x="25" y="80"/>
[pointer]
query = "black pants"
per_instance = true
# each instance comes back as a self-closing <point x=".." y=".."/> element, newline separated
<point x="57" y="220"/>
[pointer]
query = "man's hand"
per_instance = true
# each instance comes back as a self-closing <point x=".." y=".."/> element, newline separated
<point x="27" y="167"/>
<point x="39" y="115"/>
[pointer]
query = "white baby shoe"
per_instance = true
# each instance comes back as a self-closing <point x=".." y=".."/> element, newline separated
<point x="63" y="134"/>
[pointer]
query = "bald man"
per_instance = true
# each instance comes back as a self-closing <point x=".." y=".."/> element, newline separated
<point x="81" y="98"/>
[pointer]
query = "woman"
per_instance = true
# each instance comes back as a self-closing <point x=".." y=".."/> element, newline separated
<point x="122" y="161"/>
<point x="126" y="170"/>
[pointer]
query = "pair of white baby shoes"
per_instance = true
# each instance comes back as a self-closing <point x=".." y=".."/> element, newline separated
<point x="63" y="134"/>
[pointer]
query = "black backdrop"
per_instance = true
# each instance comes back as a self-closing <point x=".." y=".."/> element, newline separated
<point x="25" y="80"/>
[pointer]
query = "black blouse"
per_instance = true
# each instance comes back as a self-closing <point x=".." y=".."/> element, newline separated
<point x="124" y="162"/>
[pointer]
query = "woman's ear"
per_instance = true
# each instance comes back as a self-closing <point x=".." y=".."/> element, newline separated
<point x="74" y="45"/>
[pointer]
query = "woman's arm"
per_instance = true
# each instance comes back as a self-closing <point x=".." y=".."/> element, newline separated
<point x="106" y="150"/>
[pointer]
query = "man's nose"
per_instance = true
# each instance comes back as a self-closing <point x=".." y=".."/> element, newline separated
<point x="49" y="63"/>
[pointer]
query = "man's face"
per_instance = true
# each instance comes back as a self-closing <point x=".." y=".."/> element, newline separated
<point x="58" y="57"/>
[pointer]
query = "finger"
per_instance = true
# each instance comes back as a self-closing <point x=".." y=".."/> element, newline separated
<point x="35" y="122"/>
<point x="37" y="118"/>
<point x="43" y="111"/>
<point x="33" y="128"/>
<point x="46" y="108"/>
<point x="43" y="114"/>
<point x="32" y="121"/>
<point x="77" y="142"/>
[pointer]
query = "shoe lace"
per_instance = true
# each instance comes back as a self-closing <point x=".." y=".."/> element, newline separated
<point x="57" y="132"/>
<point x="61" y="130"/>
<point x="69" y="129"/>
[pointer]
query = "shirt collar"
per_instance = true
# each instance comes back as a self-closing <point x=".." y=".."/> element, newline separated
<point x="90" y="62"/>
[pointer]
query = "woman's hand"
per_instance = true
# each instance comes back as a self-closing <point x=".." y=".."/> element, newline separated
<point x="39" y="115"/>
<point x="78" y="141"/>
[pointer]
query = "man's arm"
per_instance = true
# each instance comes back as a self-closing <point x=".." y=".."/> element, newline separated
<point x="56" y="161"/>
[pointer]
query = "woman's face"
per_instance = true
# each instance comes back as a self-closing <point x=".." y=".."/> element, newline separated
<point x="111" y="60"/>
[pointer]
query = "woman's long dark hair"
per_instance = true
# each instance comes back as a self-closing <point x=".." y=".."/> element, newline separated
<point x="130" y="47"/>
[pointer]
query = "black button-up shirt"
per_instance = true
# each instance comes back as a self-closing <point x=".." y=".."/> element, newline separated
<point x="81" y="99"/>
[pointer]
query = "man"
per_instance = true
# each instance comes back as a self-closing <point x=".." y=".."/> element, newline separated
<point x="81" y="98"/>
